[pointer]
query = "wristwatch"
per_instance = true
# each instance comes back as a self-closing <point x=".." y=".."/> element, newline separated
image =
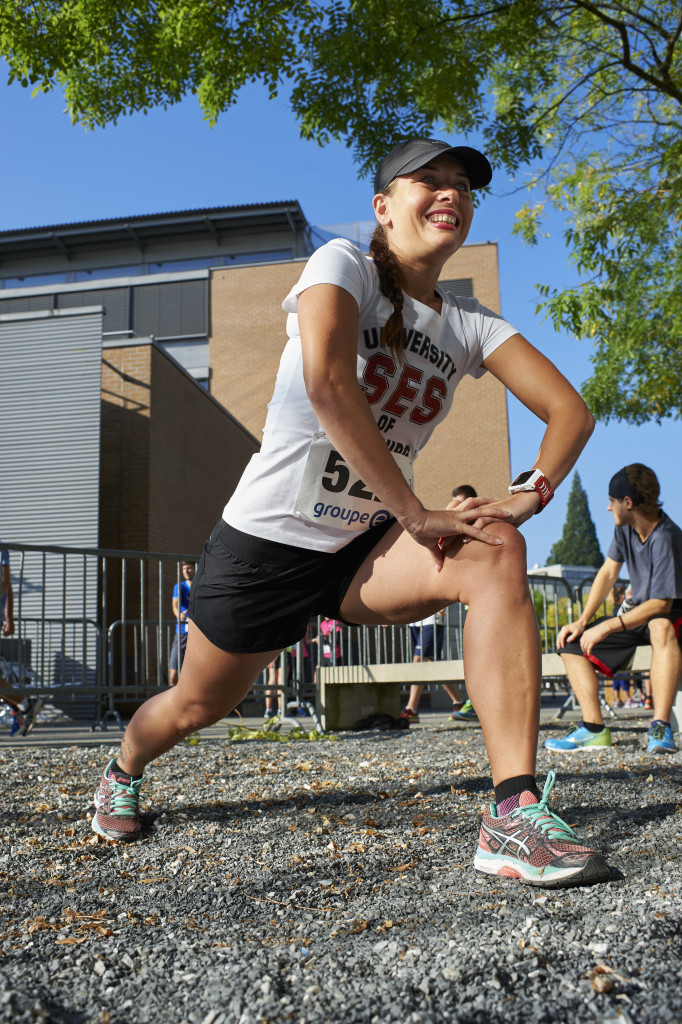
<point x="533" y="480"/>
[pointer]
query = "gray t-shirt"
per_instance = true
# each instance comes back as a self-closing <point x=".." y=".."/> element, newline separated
<point x="655" y="566"/>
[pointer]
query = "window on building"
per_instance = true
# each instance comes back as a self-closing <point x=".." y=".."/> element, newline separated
<point x="116" y="302"/>
<point x="27" y="304"/>
<point x="32" y="280"/>
<point x="463" y="286"/>
<point x="273" y="256"/>
<point x="177" y="309"/>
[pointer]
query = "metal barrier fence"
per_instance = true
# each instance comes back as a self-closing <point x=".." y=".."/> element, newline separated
<point x="94" y="630"/>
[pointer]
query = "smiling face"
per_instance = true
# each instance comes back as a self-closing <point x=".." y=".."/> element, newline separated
<point x="427" y="212"/>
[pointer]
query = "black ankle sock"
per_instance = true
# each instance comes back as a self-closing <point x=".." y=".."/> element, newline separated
<point x="510" y="787"/>
<point x="120" y="771"/>
<point x="593" y="726"/>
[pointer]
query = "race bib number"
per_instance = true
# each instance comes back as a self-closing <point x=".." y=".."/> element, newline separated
<point x="331" y="493"/>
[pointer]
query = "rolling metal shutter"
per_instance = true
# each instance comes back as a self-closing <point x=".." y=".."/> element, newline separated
<point x="116" y="303"/>
<point x="459" y="286"/>
<point x="174" y="310"/>
<point x="27" y="304"/>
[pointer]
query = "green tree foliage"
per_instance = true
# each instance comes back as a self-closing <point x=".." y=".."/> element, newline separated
<point x="581" y="99"/>
<point x="578" y="544"/>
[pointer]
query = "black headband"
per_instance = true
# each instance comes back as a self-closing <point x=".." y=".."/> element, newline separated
<point x="620" y="487"/>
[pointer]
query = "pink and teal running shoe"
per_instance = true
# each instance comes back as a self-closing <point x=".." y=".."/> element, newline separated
<point x="536" y="846"/>
<point x="117" y="798"/>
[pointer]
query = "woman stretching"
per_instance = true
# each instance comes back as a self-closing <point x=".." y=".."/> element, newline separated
<point x="324" y="520"/>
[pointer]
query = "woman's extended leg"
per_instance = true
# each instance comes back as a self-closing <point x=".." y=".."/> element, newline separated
<point x="212" y="683"/>
<point x="397" y="583"/>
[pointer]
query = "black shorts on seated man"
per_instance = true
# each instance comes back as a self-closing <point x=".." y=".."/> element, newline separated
<point x="650" y="544"/>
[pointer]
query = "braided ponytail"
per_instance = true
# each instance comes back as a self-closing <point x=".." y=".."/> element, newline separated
<point x="393" y="331"/>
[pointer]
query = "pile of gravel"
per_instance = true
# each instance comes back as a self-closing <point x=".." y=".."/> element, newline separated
<point x="333" y="882"/>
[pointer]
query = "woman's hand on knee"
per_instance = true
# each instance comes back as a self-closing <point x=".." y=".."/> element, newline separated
<point x="438" y="529"/>
<point x="519" y="507"/>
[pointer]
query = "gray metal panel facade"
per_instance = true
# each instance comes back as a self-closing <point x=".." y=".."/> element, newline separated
<point x="50" y="402"/>
<point x="50" y="380"/>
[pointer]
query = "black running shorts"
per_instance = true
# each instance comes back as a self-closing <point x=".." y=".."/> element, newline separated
<point x="612" y="653"/>
<point x="251" y="594"/>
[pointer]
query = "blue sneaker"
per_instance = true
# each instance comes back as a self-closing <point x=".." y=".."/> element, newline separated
<point x="660" y="739"/>
<point x="17" y="723"/>
<point x="581" y="738"/>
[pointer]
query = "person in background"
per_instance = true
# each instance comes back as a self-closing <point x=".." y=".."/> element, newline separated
<point x="274" y="697"/>
<point x="620" y="683"/>
<point x="650" y="543"/>
<point x="641" y="681"/>
<point x="427" y="644"/>
<point x="180" y="608"/>
<point x="24" y="709"/>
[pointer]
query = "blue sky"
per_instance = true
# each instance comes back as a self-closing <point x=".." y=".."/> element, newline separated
<point x="52" y="172"/>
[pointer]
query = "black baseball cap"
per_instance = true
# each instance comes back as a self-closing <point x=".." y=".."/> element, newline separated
<point x="408" y="156"/>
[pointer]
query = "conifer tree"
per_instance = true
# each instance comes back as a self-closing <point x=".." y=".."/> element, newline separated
<point x="578" y="544"/>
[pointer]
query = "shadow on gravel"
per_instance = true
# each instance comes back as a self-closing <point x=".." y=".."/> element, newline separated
<point x="22" y="1005"/>
<point x="61" y="1015"/>
<point x="616" y="727"/>
<point x="334" y="802"/>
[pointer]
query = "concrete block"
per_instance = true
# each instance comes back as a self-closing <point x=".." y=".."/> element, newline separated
<point x="342" y="705"/>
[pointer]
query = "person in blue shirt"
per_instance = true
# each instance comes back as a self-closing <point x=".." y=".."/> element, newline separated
<point x="180" y="608"/>
<point x="650" y="543"/>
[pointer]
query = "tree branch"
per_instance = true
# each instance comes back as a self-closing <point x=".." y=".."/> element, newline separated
<point x="664" y="82"/>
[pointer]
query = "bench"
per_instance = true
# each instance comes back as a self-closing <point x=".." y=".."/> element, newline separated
<point x="348" y="693"/>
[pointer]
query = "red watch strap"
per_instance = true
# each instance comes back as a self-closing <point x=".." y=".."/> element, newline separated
<point x="546" y="492"/>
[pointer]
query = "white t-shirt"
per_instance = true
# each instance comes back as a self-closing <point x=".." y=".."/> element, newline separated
<point x="296" y="489"/>
<point x="431" y="620"/>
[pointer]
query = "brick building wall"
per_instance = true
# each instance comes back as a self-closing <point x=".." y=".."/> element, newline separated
<point x="124" y="473"/>
<point x="472" y="445"/>
<point x="171" y="456"/>
<point x="248" y="334"/>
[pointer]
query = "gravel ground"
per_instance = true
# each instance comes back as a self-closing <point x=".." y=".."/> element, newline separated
<point x="332" y="881"/>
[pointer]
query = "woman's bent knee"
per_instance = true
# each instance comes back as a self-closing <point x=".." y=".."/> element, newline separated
<point x="482" y="565"/>
<point x="510" y="555"/>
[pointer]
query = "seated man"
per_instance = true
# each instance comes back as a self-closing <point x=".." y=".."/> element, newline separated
<point x="651" y="546"/>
